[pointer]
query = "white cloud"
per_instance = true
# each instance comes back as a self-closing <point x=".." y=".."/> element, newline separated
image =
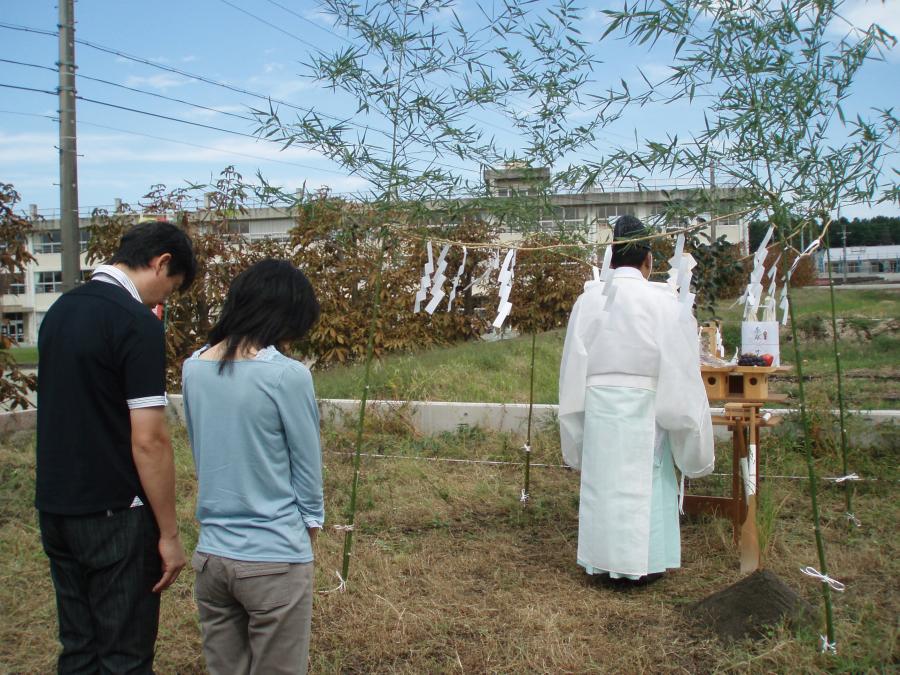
<point x="188" y="59"/>
<point x="26" y="148"/>
<point x="862" y="14"/>
<point x="161" y="81"/>
<point x="202" y="114"/>
<point x="656" y="72"/>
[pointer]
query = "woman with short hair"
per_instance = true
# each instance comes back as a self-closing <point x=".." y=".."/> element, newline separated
<point x="253" y="424"/>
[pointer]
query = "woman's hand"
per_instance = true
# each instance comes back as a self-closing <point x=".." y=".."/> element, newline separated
<point x="313" y="532"/>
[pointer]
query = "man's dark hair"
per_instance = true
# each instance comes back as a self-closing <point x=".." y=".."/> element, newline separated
<point x="629" y="253"/>
<point x="268" y="303"/>
<point x="145" y="241"/>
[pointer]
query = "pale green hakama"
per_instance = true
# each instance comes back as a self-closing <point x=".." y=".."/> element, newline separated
<point x="630" y="455"/>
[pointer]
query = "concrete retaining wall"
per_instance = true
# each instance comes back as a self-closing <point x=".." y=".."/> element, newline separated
<point x="431" y="417"/>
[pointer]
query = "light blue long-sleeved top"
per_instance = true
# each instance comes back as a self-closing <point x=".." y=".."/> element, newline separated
<point x="254" y="431"/>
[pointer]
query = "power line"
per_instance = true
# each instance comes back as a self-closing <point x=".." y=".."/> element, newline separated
<point x="270" y="25"/>
<point x="309" y="21"/>
<point x="177" y="142"/>
<point x="30" y="65"/>
<point x="135" y="110"/>
<point x="40" y="91"/>
<point x="182" y="101"/>
<point x="82" y="76"/>
<point x="206" y="80"/>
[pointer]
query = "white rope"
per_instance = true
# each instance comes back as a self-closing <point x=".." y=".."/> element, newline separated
<point x="827" y="647"/>
<point x="853" y="519"/>
<point x="824" y="578"/>
<point x="343" y="528"/>
<point x="340" y="588"/>
<point x="497" y="462"/>
<point x="526" y="449"/>
<point x="832" y="479"/>
<point x="841" y="479"/>
<point x="524" y="497"/>
<point x="490" y="462"/>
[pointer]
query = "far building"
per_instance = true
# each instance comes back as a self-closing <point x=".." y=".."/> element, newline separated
<point x="861" y="262"/>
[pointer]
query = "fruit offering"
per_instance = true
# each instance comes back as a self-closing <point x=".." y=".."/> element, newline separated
<point x="755" y="360"/>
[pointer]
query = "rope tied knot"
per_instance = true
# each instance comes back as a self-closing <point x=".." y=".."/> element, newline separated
<point x="853" y="519"/>
<point x="524" y="497"/>
<point x="340" y="588"/>
<point x="343" y="528"/>
<point x="526" y="448"/>
<point x="827" y="647"/>
<point x="824" y="578"/>
<point x="841" y="479"/>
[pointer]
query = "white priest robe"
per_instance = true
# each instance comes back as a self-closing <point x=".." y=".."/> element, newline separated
<point x="631" y="403"/>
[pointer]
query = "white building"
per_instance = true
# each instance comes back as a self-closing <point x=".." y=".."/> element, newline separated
<point x="31" y="293"/>
<point x="861" y="261"/>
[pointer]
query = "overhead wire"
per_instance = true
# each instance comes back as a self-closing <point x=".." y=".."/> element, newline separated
<point x="207" y="81"/>
<point x="176" y="100"/>
<point x="180" y="142"/>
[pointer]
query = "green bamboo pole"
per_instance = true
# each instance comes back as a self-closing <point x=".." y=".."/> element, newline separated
<point x="807" y="447"/>
<point x="848" y="487"/>
<point x="370" y="352"/>
<point x="525" y="491"/>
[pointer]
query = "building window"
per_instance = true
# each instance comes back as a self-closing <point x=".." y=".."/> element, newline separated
<point x="13" y="327"/>
<point x="238" y="227"/>
<point x="607" y="213"/>
<point x="853" y="266"/>
<point x="47" y="242"/>
<point x="13" y="284"/>
<point x="48" y="282"/>
<point x="574" y="212"/>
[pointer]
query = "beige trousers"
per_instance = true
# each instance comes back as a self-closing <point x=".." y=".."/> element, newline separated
<point x="255" y="617"/>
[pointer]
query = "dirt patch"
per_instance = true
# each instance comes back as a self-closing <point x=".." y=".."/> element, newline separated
<point x="752" y="608"/>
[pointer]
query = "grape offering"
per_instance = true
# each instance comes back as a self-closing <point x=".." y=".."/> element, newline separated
<point x="755" y="360"/>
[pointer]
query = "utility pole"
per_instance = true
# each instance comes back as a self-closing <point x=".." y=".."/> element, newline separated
<point x="68" y="158"/>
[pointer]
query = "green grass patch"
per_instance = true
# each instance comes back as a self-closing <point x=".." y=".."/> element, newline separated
<point x="24" y="356"/>
<point x="499" y="371"/>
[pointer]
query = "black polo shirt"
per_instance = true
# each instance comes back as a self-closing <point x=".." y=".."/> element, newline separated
<point x="99" y="349"/>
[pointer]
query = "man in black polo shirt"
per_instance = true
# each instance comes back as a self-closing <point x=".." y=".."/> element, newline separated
<point x="105" y="467"/>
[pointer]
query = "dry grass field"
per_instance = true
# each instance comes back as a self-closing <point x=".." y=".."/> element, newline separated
<point x="449" y="574"/>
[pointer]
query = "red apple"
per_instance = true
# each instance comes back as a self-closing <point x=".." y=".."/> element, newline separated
<point x="768" y="358"/>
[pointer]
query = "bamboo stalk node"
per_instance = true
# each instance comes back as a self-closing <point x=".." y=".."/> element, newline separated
<point x="824" y="578"/>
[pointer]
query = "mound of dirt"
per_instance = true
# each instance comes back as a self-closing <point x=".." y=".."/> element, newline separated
<point x="750" y="607"/>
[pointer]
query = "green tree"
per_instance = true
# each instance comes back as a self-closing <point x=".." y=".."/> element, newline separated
<point x="15" y="384"/>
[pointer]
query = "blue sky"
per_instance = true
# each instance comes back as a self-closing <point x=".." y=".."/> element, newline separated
<point x="123" y="153"/>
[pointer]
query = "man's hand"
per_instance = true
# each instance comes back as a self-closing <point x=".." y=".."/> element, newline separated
<point x="173" y="561"/>
<point x="313" y="532"/>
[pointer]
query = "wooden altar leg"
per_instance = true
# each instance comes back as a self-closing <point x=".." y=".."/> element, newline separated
<point x="738" y="451"/>
<point x="749" y="535"/>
